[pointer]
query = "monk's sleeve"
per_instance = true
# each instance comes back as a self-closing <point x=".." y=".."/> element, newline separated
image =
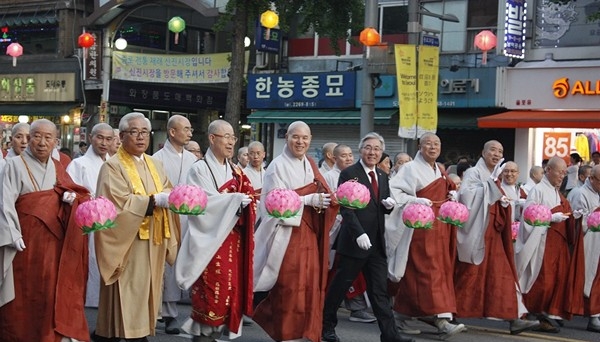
<point x="10" y="229"/>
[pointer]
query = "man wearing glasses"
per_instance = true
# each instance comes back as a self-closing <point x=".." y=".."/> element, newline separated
<point x="215" y="260"/>
<point x="132" y="256"/>
<point x="179" y="161"/>
<point x="195" y="149"/>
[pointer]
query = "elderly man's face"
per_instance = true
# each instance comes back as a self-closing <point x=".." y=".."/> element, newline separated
<point x="492" y="154"/>
<point x="556" y="173"/>
<point x="42" y="142"/>
<point x="510" y="174"/>
<point x="298" y="141"/>
<point x="102" y="140"/>
<point x="137" y="137"/>
<point x="20" y="141"/>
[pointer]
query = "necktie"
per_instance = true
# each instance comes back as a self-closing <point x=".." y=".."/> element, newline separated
<point x="374" y="185"/>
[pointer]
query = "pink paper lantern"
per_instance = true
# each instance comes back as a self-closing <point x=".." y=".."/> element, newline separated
<point x="353" y="195"/>
<point x="96" y="214"/>
<point x="282" y="203"/>
<point x="515" y="230"/>
<point x="593" y="221"/>
<point x="14" y="50"/>
<point x="187" y="200"/>
<point x="537" y="215"/>
<point x="418" y="216"/>
<point x="485" y="40"/>
<point x="453" y="213"/>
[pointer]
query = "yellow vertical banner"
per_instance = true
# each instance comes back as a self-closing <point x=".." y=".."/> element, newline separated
<point x="427" y="85"/>
<point x="406" y="74"/>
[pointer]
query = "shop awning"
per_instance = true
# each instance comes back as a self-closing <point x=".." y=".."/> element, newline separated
<point x="55" y="109"/>
<point x="532" y="119"/>
<point x="321" y="117"/>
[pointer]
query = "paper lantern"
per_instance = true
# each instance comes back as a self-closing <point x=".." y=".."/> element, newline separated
<point x="453" y="213"/>
<point x="188" y="200"/>
<point x="14" y="50"/>
<point x="593" y="221"/>
<point x="485" y="41"/>
<point x="121" y="43"/>
<point x="537" y="215"/>
<point x="86" y="40"/>
<point x="269" y="19"/>
<point x="370" y="37"/>
<point x="97" y="214"/>
<point x="352" y="194"/>
<point x="176" y="25"/>
<point x="282" y="203"/>
<point x="418" y="216"/>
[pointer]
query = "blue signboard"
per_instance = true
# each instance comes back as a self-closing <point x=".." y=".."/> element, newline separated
<point x="302" y="90"/>
<point x="267" y="40"/>
<point x="431" y="40"/>
<point x="514" y="28"/>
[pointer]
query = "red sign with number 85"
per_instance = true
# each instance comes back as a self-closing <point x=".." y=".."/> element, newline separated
<point x="557" y="144"/>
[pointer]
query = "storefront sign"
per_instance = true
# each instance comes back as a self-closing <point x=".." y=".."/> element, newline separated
<point x="514" y="28"/>
<point x="564" y="87"/>
<point x="556" y="144"/>
<point x="207" y="68"/>
<point x="14" y="119"/>
<point x="301" y="90"/>
<point x="37" y="87"/>
<point x="93" y="58"/>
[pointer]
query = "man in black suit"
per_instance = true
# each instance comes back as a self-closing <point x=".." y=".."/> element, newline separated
<point x="361" y="244"/>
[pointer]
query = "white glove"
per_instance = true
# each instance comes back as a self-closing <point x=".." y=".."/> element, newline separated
<point x="19" y="244"/>
<point x="497" y="170"/>
<point x="320" y="200"/>
<point x="453" y="195"/>
<point x="422" y="200"/>
<point x="388" y="203"/>
<point x="504" y="201"/>
<point x="161" y="199"/>
<point x="364" y="242"/>
<point x="520" y="202"/>
<point x="246" y="200"/>
<point x="579" y="212"/>
<point x="69" y="197"/>
<point x="559" y="217"/>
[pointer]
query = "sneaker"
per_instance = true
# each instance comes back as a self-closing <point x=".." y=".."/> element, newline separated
<point x="362" y="316"/>
<point x="447" y="329"/>
<point x="594" y="324"/>
<point x="404" y="328"/>
<point x="517" y="326"/>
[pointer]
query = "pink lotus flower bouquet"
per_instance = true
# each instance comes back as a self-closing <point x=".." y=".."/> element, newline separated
<point x="283" y="203"/>
<point x="453" y="213"/>
<point x="352" y="194"/>
<point x="515" y="229"/>
<point x="537" y="215"/>
<point x="593" y="221"/>
<point x="188" y="200"/>
<point x="418" y="216"/>
<point x="96" y="214"/>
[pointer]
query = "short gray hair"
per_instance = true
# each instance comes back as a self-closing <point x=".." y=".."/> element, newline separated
<point x="372" y="135"/>
<point x="256" y="144"/>
<point x="101" y="127"/>
<point x="42" y="122"/>
<point x="214" y="126"/>
<point x="124" y="123"/>
<point x="20" y="126"/>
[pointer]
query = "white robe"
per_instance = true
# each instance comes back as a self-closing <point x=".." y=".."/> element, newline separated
<point x="477" y="191"/>
<point x="588" y="200"/>
<point x="513" y="193"/>
<point x="528" y="186"/>
<point x="332" y="178"/>
<point x="206" y="233"/>
<point x="531" y="241"/>
<point x="84" y="171"/>
<point x="273" y="235"/>
<point x="410" y="179"/>
<point x="177" y="166"/>
<point x="256" y="177"/>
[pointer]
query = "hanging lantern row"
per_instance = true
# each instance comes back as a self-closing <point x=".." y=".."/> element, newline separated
<point x="485" y="41"/>
<point x="176" y="25"/>
<point x="14" y="50"/>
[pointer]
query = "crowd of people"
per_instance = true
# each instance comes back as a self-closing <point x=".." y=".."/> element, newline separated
<point x="238" y="265"/>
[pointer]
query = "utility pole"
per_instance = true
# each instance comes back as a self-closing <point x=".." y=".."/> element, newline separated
<point x="414" y="34"/>
<point x="367" y="107"/>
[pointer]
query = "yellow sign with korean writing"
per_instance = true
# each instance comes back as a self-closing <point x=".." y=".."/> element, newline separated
<point x="206" y="68"/>
<point x="406" y="73"/>
<point x="427" y="85"/>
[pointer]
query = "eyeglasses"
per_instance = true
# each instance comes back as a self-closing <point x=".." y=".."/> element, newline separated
<point x="194" y="151"/>
<point x="188" y="130"/>
<point x="254" y="154"/>
<point x="370" y="148"/>
<point x="136" y="133"/>
<point x="511" y="171"/>
<point x="227" y="137"/>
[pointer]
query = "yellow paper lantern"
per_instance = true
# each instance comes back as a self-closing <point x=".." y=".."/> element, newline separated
<point x="269" y="19"/>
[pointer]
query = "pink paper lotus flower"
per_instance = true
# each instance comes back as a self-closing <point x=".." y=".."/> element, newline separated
<point x="453" y="213"/>
<point x="353" y="195"/>
<point x="537" y="215"/>
<point x="282" y="203"/>
<point x="418" y="216"/>
<point x="96" y="214"/>
<point x="515" y="230"/>
<point x="593" y="221"/>
<point x="187" y="200"/>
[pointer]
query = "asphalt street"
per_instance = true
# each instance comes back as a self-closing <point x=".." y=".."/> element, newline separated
<point x="479" y="330"/>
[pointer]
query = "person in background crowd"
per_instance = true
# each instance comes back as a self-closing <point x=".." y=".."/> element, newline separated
<point x="131" y="258"/>
<point x="400" y="159"/>
<point x="570" y="181"/>
<point x="595" y="158"/>
<point x="291" y="255"/>
<point x="385" y="164"/>
<point x="195" y="149"/>
<point x="461" y="167"/>
<point x="84" y="171"/>
<point x="82" y="149"/>
<point x="536" y="173"/>
<point x="242" y="157"/>
<point x="179" y="161"/>
<point x="515" y="194"/>
<point x="19" y="139"/>
<point x="44" y="253"/>
<point x="116" y="143"/>
<point x="255" y="170"/>
<point x="549" y="260"/>
<point x="328" y="161"/>
<point x="455" y="179"/>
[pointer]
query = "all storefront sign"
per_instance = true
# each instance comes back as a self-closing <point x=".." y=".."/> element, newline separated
<point x="37" y="87"/>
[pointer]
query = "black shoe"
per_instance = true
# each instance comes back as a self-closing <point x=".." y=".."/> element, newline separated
<point x="140" y="339"/>
<point x="171" y="326"/>
<point x="96" y="338"/>
<point x="328" y="335"/>
<point x="401" y="338"/>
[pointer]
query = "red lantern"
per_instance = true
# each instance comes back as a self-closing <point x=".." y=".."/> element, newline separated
<point x="370" y="37"/>
<point x="485" y="40"/>
<point x="86" y="40"/>
<point x="14" y="50"/>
